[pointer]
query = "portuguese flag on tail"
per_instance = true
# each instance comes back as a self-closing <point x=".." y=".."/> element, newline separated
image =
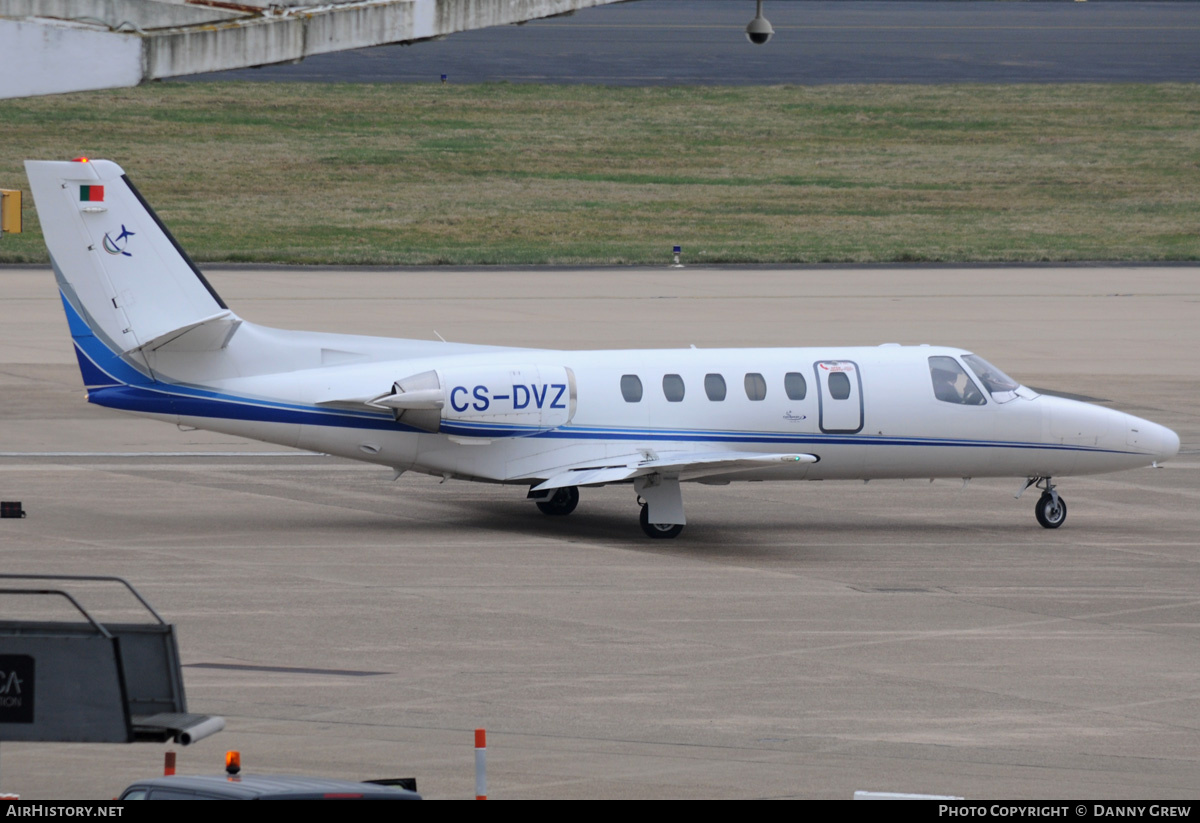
<point x="94" y="194"/>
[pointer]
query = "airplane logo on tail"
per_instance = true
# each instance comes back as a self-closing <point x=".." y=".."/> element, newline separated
<point x="118" y="245"/>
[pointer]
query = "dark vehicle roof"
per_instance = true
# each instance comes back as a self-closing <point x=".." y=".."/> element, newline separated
<point x="264" y="787"/>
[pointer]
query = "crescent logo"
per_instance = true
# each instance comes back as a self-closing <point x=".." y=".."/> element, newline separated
<point x="117" y="245"/>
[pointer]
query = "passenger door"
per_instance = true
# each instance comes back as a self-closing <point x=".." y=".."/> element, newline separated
<point x="839" y="388"/>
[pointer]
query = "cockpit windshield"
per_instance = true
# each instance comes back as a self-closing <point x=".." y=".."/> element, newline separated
<point x="951" y="384"/>
<point x="999" y="385"/>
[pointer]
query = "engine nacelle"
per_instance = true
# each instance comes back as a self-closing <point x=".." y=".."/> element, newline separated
<point x="484" y="401"/>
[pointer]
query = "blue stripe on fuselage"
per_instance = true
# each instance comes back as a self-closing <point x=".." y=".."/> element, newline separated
<point x="93" y="376"/>
<point x="188" y="402"/>
<point x="154" y="401"/>
<point x="99" y="365"/>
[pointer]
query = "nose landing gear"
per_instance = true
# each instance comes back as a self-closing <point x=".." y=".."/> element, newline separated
<point x="1050" y="510"/>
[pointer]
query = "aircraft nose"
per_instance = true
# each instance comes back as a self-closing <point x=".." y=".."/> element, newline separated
<point x="1168" y="443"/>
<point x="1162" y="443"/>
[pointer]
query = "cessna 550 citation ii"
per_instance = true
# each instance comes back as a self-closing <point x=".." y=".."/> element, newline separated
<point x="153" y="338"/>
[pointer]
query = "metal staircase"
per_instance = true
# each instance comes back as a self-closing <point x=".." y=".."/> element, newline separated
<point x="87" y="681"/>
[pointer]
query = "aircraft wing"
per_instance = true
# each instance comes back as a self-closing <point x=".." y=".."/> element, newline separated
<point x="686" y="465"/>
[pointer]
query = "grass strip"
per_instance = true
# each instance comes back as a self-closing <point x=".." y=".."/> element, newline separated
<point x="525" y="174"/>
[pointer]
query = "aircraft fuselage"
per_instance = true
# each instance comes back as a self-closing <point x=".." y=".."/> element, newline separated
<point x="889" y="425"/>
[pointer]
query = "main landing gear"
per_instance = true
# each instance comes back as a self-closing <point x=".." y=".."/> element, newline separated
<point x="658" y="531"/>
<point x="661" y="502"/>
<point x="1050" y="510"/>
<point x="662" y="505"/>
<point x="561" y="502"/>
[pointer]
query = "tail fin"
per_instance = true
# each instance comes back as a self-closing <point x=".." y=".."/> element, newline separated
<point x="127" y="286"/>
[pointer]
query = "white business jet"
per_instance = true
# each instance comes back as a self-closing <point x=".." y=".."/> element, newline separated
<point x="153" y="337"/>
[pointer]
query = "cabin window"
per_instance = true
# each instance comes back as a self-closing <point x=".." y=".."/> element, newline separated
<point x="673" y="387"/>
<point x="839" y="385"/>
<point x="631" y="388"/>
<point x="756" y="386"/>
<point x="794" y="385"/>
<point x="951" y="384"/>
<point x="714" y="387"/>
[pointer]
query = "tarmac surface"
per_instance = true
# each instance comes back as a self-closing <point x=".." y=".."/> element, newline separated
<point x="798" y="640"/>
<point x="702" y="42"/>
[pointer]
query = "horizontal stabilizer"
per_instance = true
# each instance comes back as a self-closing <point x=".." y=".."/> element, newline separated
<point x="209" y="334"/>
<point x="687" y="465"/>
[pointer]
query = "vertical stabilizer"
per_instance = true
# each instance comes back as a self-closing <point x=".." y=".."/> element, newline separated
<point x="118" y="267"/>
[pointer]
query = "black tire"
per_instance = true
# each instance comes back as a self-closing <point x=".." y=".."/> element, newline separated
<point x="561" y="503"/>
<point x="658" y="531"/>
<point x="1049" y="514"/>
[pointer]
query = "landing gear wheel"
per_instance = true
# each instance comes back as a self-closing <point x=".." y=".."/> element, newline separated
<point x="659" y="531"/>
<point x="561" y="503"/>
<point x="1050" y="512"/>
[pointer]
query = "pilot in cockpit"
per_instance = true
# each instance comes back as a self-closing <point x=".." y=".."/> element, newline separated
<point x="951" y="384"/>
<point x="944" y="387"/>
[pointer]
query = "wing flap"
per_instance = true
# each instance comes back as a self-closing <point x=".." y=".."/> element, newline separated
<point x="686" y="465"/>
